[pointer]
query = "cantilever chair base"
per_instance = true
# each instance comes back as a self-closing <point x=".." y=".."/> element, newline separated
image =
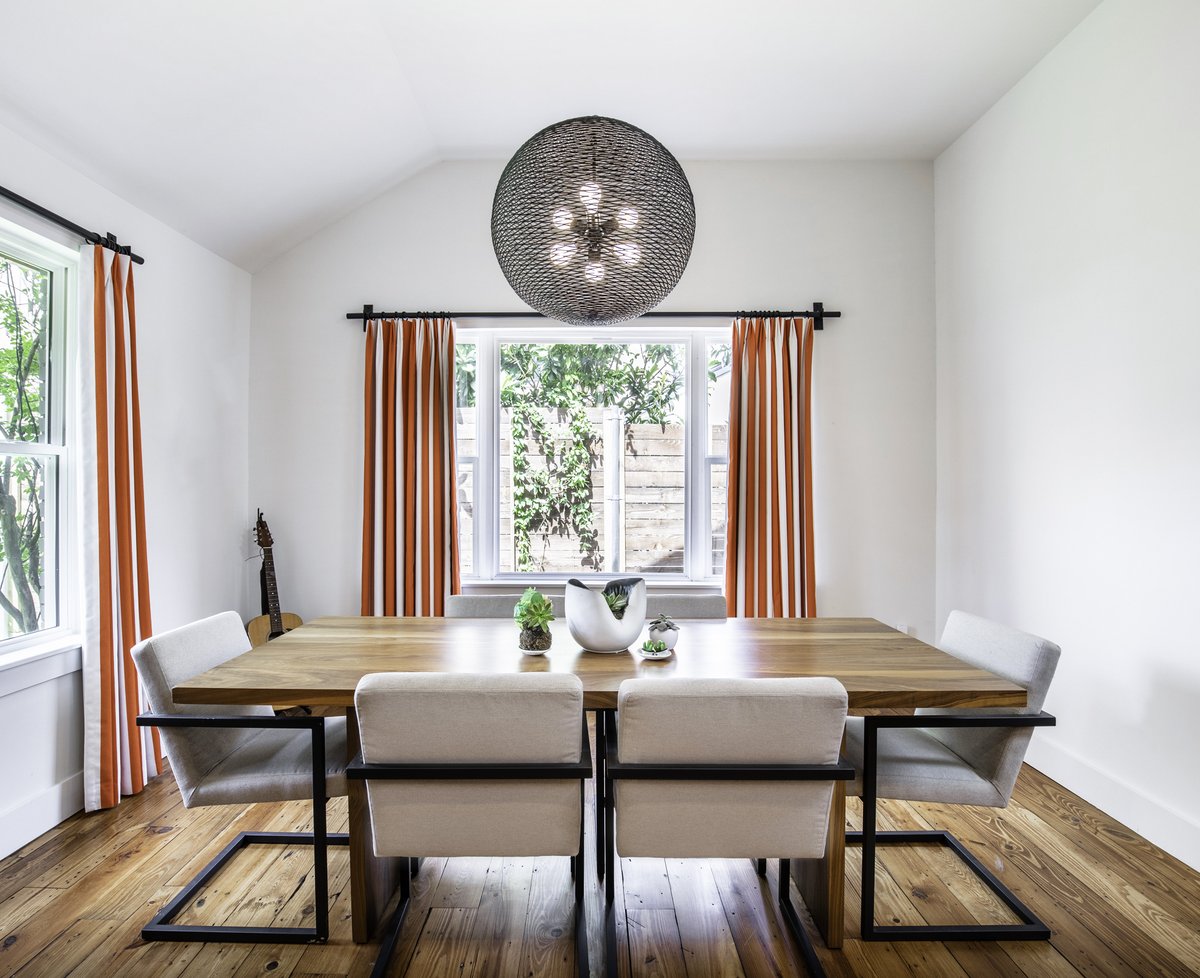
<point x="160" y="927"/>
<point x="1030" y="929"/>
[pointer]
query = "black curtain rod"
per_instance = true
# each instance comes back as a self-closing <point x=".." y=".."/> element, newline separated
<point x="108" y="240"/>
<point x="818" y="312"/>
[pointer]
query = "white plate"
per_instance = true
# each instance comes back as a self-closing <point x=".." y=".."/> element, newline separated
<point x="664" y="654"/>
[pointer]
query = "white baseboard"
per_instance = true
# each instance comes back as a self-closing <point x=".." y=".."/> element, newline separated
<point x="1156" y="821"/>
<point x="32" y="816"/>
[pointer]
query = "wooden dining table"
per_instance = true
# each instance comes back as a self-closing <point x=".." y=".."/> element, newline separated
<point x="320" y="664"/>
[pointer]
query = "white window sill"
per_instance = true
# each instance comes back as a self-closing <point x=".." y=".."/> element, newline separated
<point x="42" y="658"/>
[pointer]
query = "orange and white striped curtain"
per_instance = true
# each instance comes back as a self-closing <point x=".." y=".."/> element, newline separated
<point x="410" y="507"/>
<point x="769" y="530"/>
<point x="119" y="756"/>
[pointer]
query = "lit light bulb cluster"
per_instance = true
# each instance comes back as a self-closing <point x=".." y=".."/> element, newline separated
<point x="588" y="232"/>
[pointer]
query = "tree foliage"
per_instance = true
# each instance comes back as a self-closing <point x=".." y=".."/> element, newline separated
<point x="24" y="314"/>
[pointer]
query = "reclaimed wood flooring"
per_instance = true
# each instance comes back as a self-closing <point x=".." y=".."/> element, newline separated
<point x="72" y="902"/>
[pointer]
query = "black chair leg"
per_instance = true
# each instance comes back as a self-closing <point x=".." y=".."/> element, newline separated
<point x="1031" y="927"/>
<point x="391" y="932"/>
<point x="809" y="952"/>
<point x="160" y="927"/>
<point x="760" y="867"/>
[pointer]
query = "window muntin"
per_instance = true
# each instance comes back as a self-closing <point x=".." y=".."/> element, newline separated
<point x="585" y="456"/>
<point x="33" y="303"/>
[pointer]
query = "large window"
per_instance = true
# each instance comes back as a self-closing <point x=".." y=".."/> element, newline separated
<point x="602" y="455"/>
<point x="33" y="302"/>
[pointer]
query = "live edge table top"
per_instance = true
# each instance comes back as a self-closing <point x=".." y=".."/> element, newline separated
<point x="320" y="663"/>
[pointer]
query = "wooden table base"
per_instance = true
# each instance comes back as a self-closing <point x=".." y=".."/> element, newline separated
<point x="373" y="879"/>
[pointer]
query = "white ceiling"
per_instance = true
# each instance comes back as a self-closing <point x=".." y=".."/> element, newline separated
<point x="249" y="124"/>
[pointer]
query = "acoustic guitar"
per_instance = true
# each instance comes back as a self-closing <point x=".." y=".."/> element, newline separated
<point x="275" y="622"/>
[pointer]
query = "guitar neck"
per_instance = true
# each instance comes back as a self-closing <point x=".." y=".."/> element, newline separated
<point x="272" y="587"/>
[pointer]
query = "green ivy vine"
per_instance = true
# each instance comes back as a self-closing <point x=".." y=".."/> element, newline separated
<point x="539" y="381"/>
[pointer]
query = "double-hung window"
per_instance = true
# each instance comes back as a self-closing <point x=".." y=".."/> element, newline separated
<point x="591" y="453"/>
<point x="36" y="291"/>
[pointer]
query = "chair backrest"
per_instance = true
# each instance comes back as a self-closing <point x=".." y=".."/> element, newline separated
<point x="169" y="658"/>
<point x="686" y="605"/>
<point x="727" y="721"/>
<point x="1021" y="658"/>
<point x="438" y="718"/>
<point x="491" y="605"/>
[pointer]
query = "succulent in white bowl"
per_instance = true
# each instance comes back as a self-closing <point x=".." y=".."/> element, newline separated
<point x="663" y="629"/>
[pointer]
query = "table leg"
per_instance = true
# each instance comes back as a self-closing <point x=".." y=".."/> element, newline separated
<point x="822" y="882"/>
<point x="601" y="755"/>
<point x="373" y="879"/>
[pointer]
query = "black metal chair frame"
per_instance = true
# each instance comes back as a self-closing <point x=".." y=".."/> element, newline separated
<point x="1030" y="929"/>
<point x="615" y="770"/>
<point x="160" y="927"/>
<point x="581" y="770"/>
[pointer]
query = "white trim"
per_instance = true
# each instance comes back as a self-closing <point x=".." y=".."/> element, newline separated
<point x="41" y="663"/>
<point x="1176" y="831"/>
<point x="487" y="337"/>
<point x="59" y="600"/>
<point x="30" y="817"/>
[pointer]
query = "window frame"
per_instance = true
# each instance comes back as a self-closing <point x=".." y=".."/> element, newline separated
<point x="695" y="336"/>
<point x="60" y="434"/>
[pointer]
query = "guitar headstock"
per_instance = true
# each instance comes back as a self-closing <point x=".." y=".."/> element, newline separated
<point x="261" y="533"/>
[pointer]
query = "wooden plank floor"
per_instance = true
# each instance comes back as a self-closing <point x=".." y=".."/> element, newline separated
<point x="72" y="902"/>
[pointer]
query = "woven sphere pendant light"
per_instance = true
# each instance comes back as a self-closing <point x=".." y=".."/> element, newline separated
<point x="593" y="221"/>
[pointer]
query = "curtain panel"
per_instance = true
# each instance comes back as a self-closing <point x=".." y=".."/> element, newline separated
<point x="410" y="505"/>
<point x="119" y="757"/>
<point x="769" y="527"/>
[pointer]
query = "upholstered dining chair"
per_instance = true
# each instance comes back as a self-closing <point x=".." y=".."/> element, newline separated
<point x="957" y="757"/>
<point x="227" y="755"/>
<point x="686" y="605"/>
<point x="473" y="765"/>
<point x="491" y="605"/>
<point x="764" y="785"/>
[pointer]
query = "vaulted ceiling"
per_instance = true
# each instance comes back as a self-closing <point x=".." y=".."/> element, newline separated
<point x="249" y="124"/>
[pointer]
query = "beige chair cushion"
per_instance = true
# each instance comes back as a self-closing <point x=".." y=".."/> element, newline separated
<point x="686" y="605"/>
<point x="459" y="718"/>
<point x="491" y="605"/>
<point x="918" y="767"/>
<point x="736" y="721"/>
<point x="219" y="766"/>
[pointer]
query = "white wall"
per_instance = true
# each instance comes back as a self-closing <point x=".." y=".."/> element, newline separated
<point x="193" y="312"/>
<point x="857" y="236"/>
<point x="1068" y="243"/>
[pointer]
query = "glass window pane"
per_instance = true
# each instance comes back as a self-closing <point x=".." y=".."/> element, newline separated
<point x="718" y="503"/>
<point x="24" y="321"/>
<point x="24" y="605"/>
<point x="466" y="449"/>
<point x="466" y="518"/>
<point x="588" y="479"/>
<point x="718" y="398"/>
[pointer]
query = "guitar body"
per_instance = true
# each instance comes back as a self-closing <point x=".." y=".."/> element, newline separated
<point x="259" y="629"/>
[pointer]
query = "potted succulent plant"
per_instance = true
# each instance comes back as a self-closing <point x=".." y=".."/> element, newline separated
<point x="534" y="612"/>
<point x="663" y="629"/>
